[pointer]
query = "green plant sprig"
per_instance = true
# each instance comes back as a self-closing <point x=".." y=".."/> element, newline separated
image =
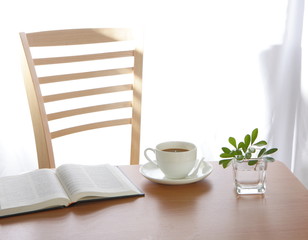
<point x="246" y="149"/>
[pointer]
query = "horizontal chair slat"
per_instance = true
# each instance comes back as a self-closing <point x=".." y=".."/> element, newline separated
<point x="78" y="36"/>
<point x="80" y="58"/>
<point x="84" y="75"/>
<point x="83" y="93"/>
<point x="79" y="111"/>
<point x="90" y="126"/>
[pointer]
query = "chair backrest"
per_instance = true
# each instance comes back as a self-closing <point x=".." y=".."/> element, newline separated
<point x="119" y="59"/>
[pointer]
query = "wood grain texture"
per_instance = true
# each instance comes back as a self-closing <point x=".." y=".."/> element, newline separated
<point x="209" y="209"/>
<point x="90" y="126"/>
<point x="84" y="75"/>
<point x="79" y="36"/>
<point x="80" y="58"/>
<point x="88" y="92"/>
<point x="38" y="114"/>
<point x="97" y="108"/>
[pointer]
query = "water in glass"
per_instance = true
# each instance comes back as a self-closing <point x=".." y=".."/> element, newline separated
<point x="250" y="179"/>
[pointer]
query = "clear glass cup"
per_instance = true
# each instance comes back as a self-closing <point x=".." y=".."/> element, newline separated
<point x="250" y="179"/>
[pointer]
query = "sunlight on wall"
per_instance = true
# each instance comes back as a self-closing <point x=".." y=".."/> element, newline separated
<point x="202" y="67"/>
<point x="305" y="60"/>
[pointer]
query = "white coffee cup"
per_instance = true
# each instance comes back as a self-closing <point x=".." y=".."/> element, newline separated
<point x="175" y="158"/>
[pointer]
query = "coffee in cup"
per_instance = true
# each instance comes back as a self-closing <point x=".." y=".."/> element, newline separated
<point x="175" y="159"/>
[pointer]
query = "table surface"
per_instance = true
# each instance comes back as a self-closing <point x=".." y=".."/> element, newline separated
<point x="208" y="209"/>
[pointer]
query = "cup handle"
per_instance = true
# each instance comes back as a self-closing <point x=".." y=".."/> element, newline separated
<point x="148" y="158"/>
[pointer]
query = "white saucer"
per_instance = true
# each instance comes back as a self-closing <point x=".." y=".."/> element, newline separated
<point x="154" y="174"/>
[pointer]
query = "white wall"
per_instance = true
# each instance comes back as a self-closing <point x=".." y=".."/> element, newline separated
<point x="203" y="67"/>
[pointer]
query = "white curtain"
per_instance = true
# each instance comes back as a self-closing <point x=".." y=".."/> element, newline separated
<point x="286" y="85"/>
<point x="300" y="147"/>
<point x="212" y="69"/>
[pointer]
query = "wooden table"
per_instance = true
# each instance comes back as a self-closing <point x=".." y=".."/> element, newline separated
<point x="209" y="209"/>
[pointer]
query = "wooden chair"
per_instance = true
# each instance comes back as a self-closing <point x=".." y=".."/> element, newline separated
<point x="114" y="44"/>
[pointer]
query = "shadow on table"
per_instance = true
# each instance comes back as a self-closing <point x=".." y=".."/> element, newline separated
<point x="79" y="208"/>
<point x="177" y="198"/>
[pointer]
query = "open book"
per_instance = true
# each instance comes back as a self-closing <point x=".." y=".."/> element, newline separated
<point x="69" y="183"/>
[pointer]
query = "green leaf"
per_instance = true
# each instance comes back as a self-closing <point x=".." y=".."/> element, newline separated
<point x="241" y="145"/>
<point x="254" y="135"/>
<point x="261" y="143"/>
<point x="246" y="149"/>
<point x="252" y="162"/>
<point x="232" y="141"/>
<point x="225" y="163"/>
<point x="262" y="151"/>
<point x="237" y="152"/>
<point x="270" y="151"/>
<point x="226" y="155"/>
<point x="269" y="159"/>
<point x="226" y="150"/>
<point x="247" y="141"/>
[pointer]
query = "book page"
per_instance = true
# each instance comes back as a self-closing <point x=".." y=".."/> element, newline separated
<point x="30" y="189"/>
<point x="100" y="181"/>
